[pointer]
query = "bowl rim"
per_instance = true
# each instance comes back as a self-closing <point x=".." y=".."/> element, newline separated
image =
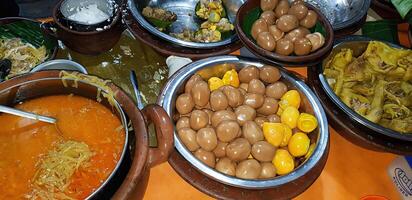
<point x="256" y="49"/>
<point x="76" y="66"/>
<point x="20" y="81"/>
<point x="196" y="45"/>
<point x="343" y="107"/>
<point x="175" y="81"/>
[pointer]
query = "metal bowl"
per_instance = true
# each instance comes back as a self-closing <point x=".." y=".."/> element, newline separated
<point x="342" y="13"/>
<point x="355" y="127"/>
<point x="60" y="64"/>
<point x="186" y="18"/>
<point x="206" y="68"/>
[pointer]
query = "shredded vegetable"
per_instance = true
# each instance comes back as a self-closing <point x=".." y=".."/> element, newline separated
<point x="99" y="83"/>
<point x="56" y="168"/>
<point x="23" y="56"/>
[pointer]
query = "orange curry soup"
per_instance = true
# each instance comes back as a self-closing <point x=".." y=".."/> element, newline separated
<point x="23" y="142"/>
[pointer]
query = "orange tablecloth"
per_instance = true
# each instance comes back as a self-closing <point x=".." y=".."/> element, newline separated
<point x="351" y="172"/>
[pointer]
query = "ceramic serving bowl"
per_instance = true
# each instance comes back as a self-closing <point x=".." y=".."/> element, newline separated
<point x="244" y="20"/>
<point x="91" y="42"/>
<point x="186" y="18"/>
<point x="129" y="178"/>
<point x="347" y="122"/>
<point x="303" y="176"/>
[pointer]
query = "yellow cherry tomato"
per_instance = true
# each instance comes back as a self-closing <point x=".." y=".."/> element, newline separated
<point x="311" y="149"/>
<point x="215" y="83"/>
<point x="283" y="162"/>
<point x="290" y="98"/>
<point x="273" y="133"/>
<point x="299" y="144"/>
<point x="286" y="136"/>
<point x="290" y="116"/>
<point x="307" y="122"/>
<point x="231" y="78"/>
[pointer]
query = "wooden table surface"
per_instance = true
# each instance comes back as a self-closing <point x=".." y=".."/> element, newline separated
<point x="351" y="172"/>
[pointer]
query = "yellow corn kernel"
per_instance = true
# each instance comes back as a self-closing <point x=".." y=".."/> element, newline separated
<point x="215" y="83"/>
<point x="307" y="122"/>
<point x="231" y="78"/>
<point x="286" y="136"/>
<point x="273" y="133"/>
<point x="290" y="98"/>
<point x="290" y="117"/>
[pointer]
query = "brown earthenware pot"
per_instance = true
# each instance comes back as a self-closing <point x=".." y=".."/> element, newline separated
<point x="278" y="59"/>
<point x="87" y="42"/>
<point x="129" y="178"/>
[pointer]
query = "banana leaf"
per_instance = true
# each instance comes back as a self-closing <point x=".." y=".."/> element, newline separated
<point x="29" y="32"/>
<point x="161" y="24"/>
<point x="402" y="6"/>
<point x="249" y="19"/>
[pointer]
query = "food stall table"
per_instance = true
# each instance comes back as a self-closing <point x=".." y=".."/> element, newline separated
<point x="351" y="172"/>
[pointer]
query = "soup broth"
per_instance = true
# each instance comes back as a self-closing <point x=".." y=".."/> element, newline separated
<point x="25" y="142"/>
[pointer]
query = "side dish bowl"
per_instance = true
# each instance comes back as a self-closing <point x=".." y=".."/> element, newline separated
<point x="350" y="124"/>
<point x="130" y="176"/>
<point x="247" y="14"/>
<point x="186" y="18"/>
<point x="206" y="68"/>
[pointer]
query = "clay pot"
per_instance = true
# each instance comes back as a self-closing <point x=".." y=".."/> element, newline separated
<point x="87" y="42"/>
<point x="130" y="176"/>
<point x="272" y="57"/>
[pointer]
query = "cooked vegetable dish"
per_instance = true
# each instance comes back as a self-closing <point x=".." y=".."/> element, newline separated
<point x="247" y="124"/>
<point x="159" y="17"/>
<point x="377" y="84"/>
<point x="214" y="29"/>
<point x="23" y="56"/>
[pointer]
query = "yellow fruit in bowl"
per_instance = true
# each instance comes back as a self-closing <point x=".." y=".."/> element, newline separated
<point x="299" y="144"/>
<point x="215" y="83"/>
<point x="290" y="98"/>
<point x="307" y="122"/>
<point x="290" y="116"/>
<point x="273" y="133"/>
<point x="311" y="150"/>
<point x="231" y="78"/>
<point x="283" y="162"/>
<point x="287" y="134"/>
